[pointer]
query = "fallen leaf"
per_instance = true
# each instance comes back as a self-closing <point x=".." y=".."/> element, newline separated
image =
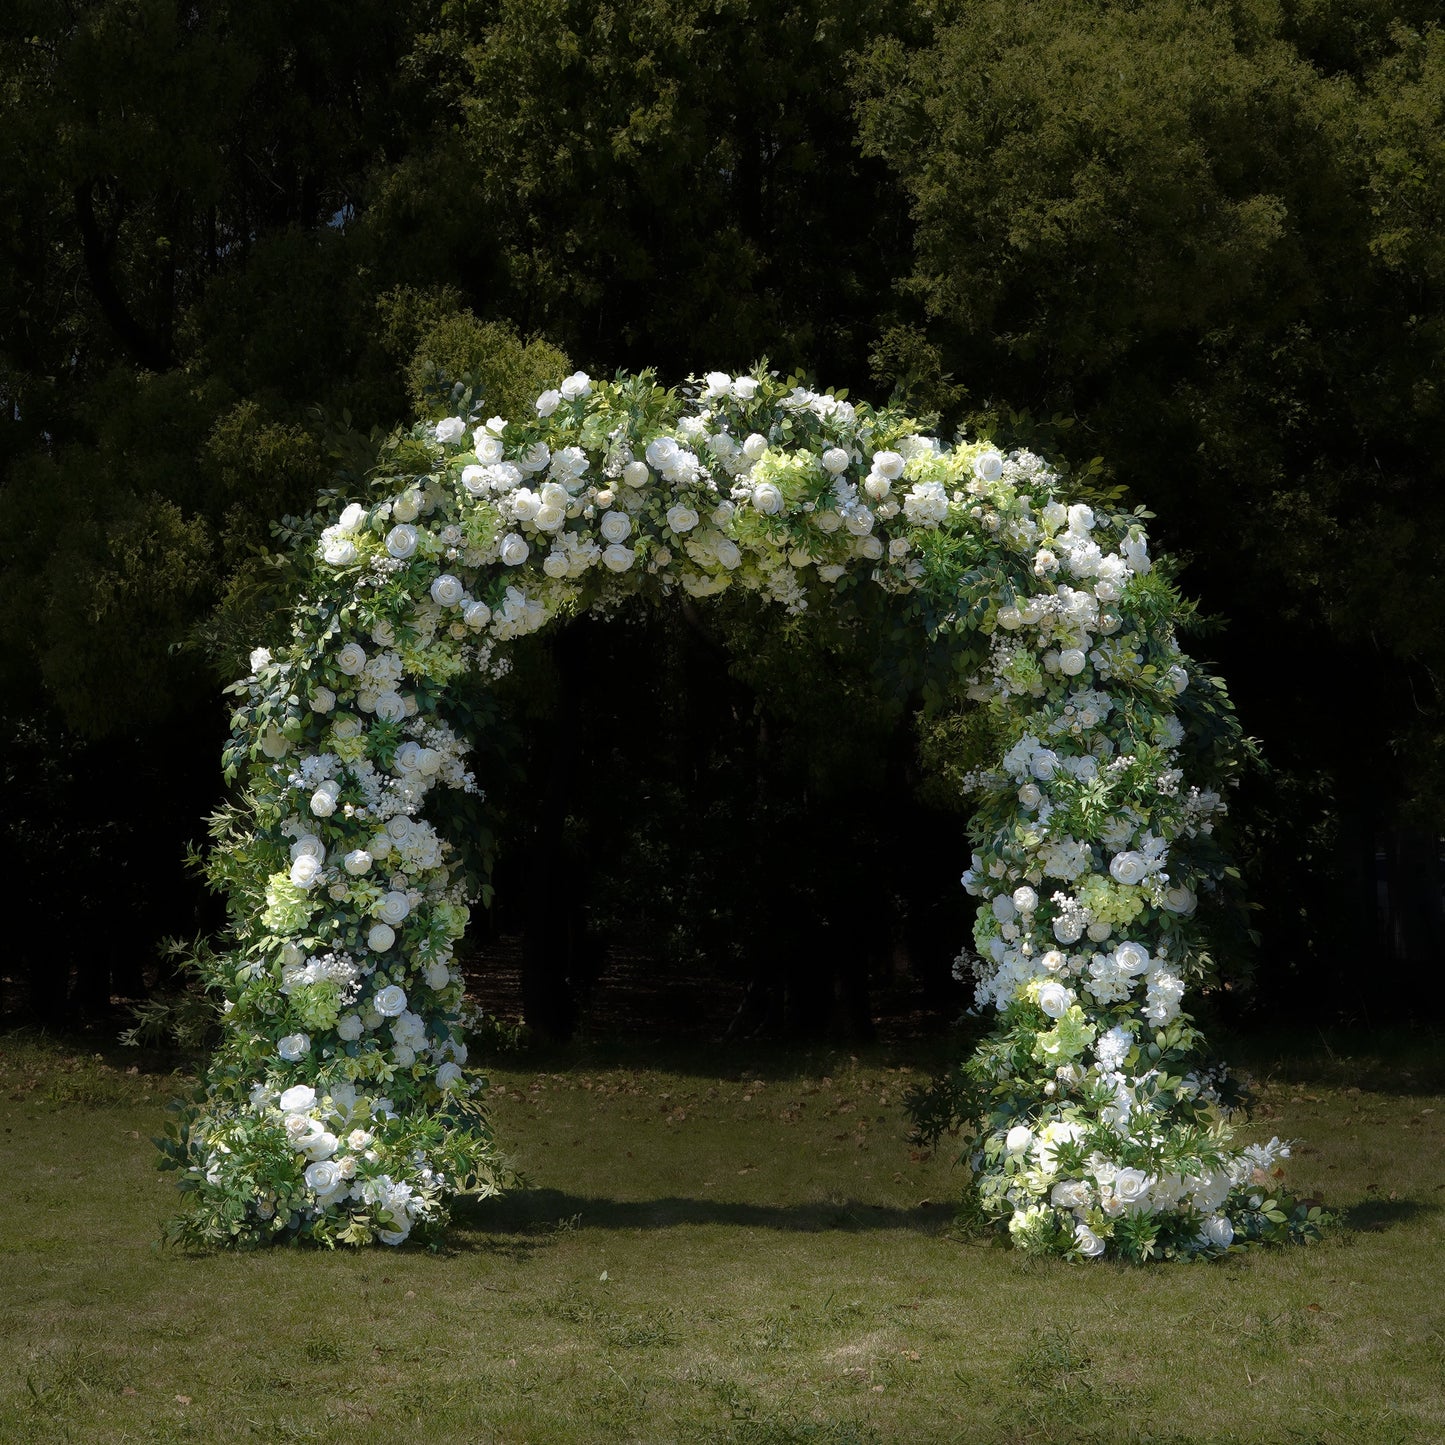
<point x="183" y="1399"/>
<point x="129" y="1390"/>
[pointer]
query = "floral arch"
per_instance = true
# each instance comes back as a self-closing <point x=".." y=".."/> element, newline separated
<point x="341" y="1105"/>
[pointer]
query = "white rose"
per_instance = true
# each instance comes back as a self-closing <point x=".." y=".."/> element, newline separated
<point x="446" y="590"/>
<point x="1218" y="1231"/>
<point x="323" y="1176"/>
<point x="1018" y="1139"/>
<point x="390" y="1002"/>
<point x="617" y="558"/>
<point x="323" y="699"/>
<point x="488" y="449"/>
<point x="357" y="862"/>
<point x="1071" y="661"/>
<point x="1131" y="958"/>
<point x="274" y="743"/>
<point x="294" y="1047"/>
<point x="635" y="474"/>
<point x="305" y="871"/>
<point x="297" y="1099"/>
<point x="401" y="541"/>
<point x="835" y="460"/>
<point x="476" y="615"/>
<point x="1043" y="764"/>
<point x="338" y="551"/>
<point x="578" y="384"/>
<point x="767" y="499"/>
<point x="859" y="521"/>
<point x="1003" y="908"/>
<point x="450" y="429"/>
<point x="1131" y="1186"/>
<point x="1081" y="518"/>
<point x="728" y="553"/>
<point x="352" y="516"/>
<point x="380" y="938"/>
<point x="348" y="1027"/>
<point x="1128" y="867"/>
<point x="744" y="388"/>
<point x="448" y="1076"/>
<point x="615" y="526"/>
<point x="351" y="660"/>
<point x="661" y="452"/>
<point x="1068" y="930"/>
<point x="550" y="516"/>
<point x="555" y="564"/>
<point x="754" y="446"/>
<point x="1025" y="899"/>
<point x="869" y="547"/>
<point x="525" y="504"/>
<point x="438" y="975"/>
<point x="323" y="800"/>
<point x="1180" y="899"/>
<point x="1054" y="999"/>
<point x="390" y="706"/>
<point x="1089" y="1245"/>
<point x="888" y="465"/>
<point x="988" y="466"/>
<point x="514" y="549"/>
<point x="548" y="402"/>
<point x="393" y="908"/>
<point x="474" y="479"/>
<point x="681" y="518"/>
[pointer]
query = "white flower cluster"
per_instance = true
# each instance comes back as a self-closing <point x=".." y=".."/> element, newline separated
<point x="1085" y="827"/>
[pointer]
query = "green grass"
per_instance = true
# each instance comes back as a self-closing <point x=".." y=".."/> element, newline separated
<point x="723" y="1247"/>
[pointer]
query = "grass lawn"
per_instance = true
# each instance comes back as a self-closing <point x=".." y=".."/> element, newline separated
<point x="732" y="1246"/>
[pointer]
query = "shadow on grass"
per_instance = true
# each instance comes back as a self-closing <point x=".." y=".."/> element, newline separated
<point x="535" y="1211"/>
<point x="1375" y="1216"/>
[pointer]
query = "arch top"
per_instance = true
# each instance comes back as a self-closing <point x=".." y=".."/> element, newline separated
<point x="341" y="1105"/>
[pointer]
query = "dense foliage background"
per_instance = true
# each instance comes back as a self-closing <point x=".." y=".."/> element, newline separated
<point x="1204" y="242"/>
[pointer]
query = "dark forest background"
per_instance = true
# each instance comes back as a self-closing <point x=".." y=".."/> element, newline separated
<point x="1202" y="241"/>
